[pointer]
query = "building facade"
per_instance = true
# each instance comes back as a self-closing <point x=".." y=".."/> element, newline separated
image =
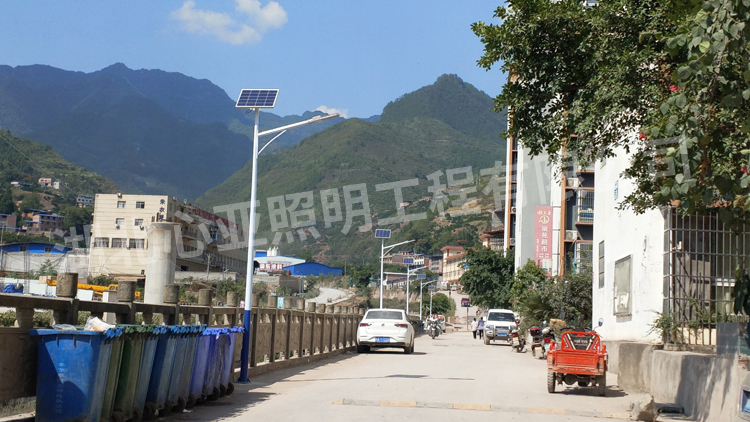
<point x="42" y="224"/>
<point x="453" y="264"/>
<point x="119" y="236"/>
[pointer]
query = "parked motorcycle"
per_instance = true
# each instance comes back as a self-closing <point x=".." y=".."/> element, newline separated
<point x="536" y="340"/>
<point x="548" y="337"/>
<point x="516" y="342"/>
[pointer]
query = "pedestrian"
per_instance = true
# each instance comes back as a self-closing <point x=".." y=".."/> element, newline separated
<point x="480" y="327"/>
<point x="474" y="328"/>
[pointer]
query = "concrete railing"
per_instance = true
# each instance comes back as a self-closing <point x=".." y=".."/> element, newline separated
<point x="298" y="333"/>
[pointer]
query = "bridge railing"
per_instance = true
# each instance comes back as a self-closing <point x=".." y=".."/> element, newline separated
<point x="300" y="330"/>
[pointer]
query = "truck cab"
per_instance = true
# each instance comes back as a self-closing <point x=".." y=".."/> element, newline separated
<point x="499" y="324"/>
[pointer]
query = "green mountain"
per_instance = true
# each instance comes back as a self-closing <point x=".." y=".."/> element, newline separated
<point x="443" y="126"/>
<point x="24" y="160"/>
<point x="148" y="130"/>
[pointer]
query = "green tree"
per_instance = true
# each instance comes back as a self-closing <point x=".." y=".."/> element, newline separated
<point x="7" y="205"/>
<point x="489" y="277"/>
<point x="77" y="218"/>
<point x="681" y="69"/>
<point x="525" y="280"/>
<point x="361" y="274"/>
<point x="30" y="201"/>
<point x="307" y="255"/>
<point x="441" y="304"/>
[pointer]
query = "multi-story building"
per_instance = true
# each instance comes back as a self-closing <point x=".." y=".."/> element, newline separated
<point x="493" y="239"/>
<point x="453" y="264"/>
<point x="8" y="222"/>
<point x="85" y="201"/>
<point x="46" y="182"/>
<point x="119" y="236"/>
<point x="549" y="214"/>
<point x="44" y="224"/>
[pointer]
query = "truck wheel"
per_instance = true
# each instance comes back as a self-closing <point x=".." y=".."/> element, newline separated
<point x="602" y="385"/>
<point x="551" y="382"/>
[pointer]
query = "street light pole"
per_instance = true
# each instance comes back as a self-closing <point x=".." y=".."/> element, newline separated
<point x="421" y="287"/>
<point x="408" y="273"/>
<point x="247" y="317"/>
<point x="383" y="250"/>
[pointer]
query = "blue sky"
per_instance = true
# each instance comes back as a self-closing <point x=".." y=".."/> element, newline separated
<point x="349" y="55"/>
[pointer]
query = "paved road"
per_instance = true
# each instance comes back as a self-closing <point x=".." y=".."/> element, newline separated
<point x="451" y="378"/>
<point x="327" y="293"/>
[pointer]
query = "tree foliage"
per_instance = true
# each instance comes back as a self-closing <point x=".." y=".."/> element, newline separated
<point x="525" y="280"/>
<point x="489" y="277"/>
<point x="7" y="205"/>
<point x="441" y="305"/>
<point x="665" y="80"/>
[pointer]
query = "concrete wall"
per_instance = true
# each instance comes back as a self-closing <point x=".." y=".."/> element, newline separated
<point x="644" y="242"/>
<point x="63" y="263"/>
<point x="706" y="386"/>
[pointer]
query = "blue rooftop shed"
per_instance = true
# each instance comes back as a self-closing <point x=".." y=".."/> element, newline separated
<point x="34" y="247"/>
<point x="312" y="268"/>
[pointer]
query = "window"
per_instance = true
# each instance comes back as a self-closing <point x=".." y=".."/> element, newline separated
<point x="140" y="205"/>
<point x="137" y="243"/>
<point x="119" y="221"/>
<point x="138" y="222"/>
<point x="119" y="243"/>
<point x="101" y="242"/>
<point x="623" y="299"/>
<point x="22" y="248"/>
<point x="48" y="249"/>
<point x="120" y="204"/>
<point x="601" y="264"/>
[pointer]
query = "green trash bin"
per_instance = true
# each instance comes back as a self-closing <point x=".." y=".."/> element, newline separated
<point x="113" y="374"/>
<point x="130" y="367"/>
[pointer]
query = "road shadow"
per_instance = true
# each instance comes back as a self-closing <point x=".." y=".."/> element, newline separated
<point x="612" y="392"/>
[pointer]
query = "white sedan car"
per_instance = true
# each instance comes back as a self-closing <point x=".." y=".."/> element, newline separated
<point x="385" y="328"/>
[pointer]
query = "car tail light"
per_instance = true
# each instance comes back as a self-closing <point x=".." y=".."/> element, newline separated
<point x="547" y="340"/>
<point x="364" y="324"/>
<point x="402" y="325"/>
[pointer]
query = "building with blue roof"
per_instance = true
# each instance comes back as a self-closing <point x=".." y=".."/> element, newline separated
<point x="313" y="268"/>
<point x="35" y="247"/>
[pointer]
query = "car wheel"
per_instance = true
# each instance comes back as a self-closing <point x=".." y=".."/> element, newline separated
<point x="363" y="349"/>
<point x="407" y="350"/>
<point x="551" y="382"/>
<point x="602" y="385"/>
<point x="486" y="340"/>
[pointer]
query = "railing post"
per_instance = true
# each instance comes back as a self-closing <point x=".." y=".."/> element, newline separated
<point x="311" y="308"/>
<point x="126" y="295"/>
<point x="67" y="288"/>
<point x="233" y="301"/>
<point x="289" y="320"/>
<point x="205" y="298"/>
<point x="301" y="346"/>
<point x="170" y="296"/>
<point x="271" y="304"/>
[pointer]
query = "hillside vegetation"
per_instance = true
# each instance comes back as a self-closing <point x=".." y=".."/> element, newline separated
<point x="444" y="126"/>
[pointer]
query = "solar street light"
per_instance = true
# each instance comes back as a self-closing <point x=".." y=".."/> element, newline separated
<point x="408" y="273"/>
<point x="383" y="234"/>
<point x="256" y="99"/>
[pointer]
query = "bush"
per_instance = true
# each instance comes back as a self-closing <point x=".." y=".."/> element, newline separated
<point x="7" y="319"/>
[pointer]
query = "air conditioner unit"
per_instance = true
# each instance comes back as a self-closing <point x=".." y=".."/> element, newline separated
<point x="119" y="194"/>
<point x="573" y="182"/>
<point x="117" y="226"/>
<point x="571" y="234"/>
<point x="513" y="210"/>
<point x="512" y="241"/>
<point x="142" y="227"/>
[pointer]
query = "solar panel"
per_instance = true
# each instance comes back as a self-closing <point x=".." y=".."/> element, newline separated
<point x="382" y="234"/>
<point x="257" y="98"/>
<point x="408" y="260"/>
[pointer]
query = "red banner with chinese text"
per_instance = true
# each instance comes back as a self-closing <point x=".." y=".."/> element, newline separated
<point x="543" y="238"/>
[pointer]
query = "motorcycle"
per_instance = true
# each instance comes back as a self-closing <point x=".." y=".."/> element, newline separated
<point x="432" y="329"/>
<point x="536" y="340"/>
<point x="517" y="343"/>
<point x="548" y="337"/>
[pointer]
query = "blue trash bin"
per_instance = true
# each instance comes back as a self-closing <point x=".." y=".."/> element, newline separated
<point x="144" y="375"/>
<point x="187" y="366"/>
<point x="199" y="366"/>
<point x="211" y="383"/>
<point x="71" y="373"/>
<point x="161" y="371"/>
<point x="227" y="369"/>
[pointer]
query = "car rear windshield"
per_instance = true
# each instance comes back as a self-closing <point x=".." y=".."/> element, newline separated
<point x="385" y="315"/>
<point x="501" y="316"/>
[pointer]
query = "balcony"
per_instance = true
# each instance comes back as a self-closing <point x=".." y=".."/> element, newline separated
<point x="583" y="211"/>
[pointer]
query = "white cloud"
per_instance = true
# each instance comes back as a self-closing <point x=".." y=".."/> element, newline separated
<point x="344" y="112"/>
<point x="257" y="21"/>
